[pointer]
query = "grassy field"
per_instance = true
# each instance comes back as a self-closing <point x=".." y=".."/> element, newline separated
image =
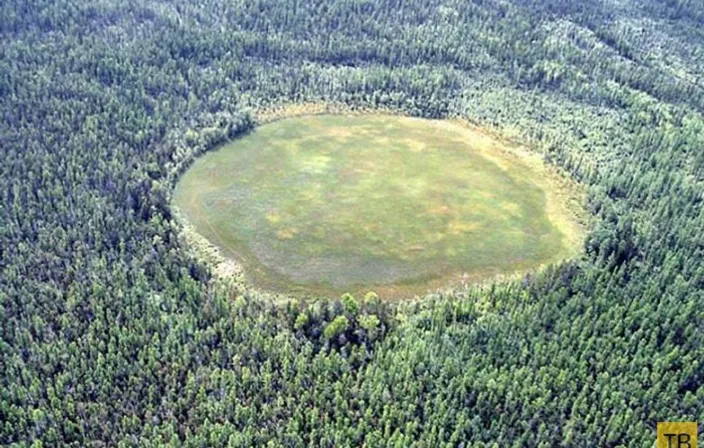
<point x="332" y="203"/>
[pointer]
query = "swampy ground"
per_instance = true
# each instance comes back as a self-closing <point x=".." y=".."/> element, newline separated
<point x="328" y="204"/>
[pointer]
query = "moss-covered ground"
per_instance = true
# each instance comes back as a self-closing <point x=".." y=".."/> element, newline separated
<point x="335" y="203"/>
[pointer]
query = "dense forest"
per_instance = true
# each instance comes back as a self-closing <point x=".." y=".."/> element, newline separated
<point x="113" y="334"/>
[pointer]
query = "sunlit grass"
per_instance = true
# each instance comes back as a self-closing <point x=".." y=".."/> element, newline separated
<point x="338" y="203"/>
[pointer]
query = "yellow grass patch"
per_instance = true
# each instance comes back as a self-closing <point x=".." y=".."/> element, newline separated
<point x="273" y="218"/>
<point x="458" y="227"/>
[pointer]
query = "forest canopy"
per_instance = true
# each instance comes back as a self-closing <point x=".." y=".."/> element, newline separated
<point x="114" y="334"/>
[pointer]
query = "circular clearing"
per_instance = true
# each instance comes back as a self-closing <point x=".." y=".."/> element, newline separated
<point x="330" y="204"/>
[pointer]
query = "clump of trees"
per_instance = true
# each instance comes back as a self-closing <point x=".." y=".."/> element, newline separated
<point x="342" y="322"/>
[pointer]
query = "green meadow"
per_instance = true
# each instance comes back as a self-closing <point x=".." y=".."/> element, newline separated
<point x="334" y="203"/>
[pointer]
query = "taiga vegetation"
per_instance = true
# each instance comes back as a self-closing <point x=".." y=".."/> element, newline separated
<point x="113" y="332"/>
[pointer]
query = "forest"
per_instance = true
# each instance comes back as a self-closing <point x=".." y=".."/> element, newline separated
<point x="113" y="333"/>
